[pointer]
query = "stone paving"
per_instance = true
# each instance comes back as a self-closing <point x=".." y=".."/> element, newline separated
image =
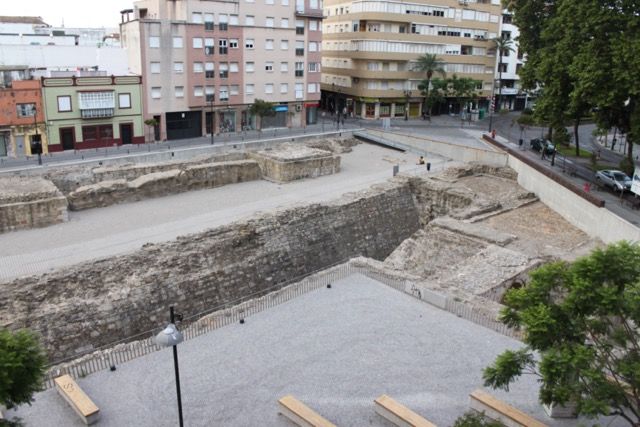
<point x="335" y="349"/>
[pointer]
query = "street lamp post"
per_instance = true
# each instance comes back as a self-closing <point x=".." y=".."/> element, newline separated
<point x="171" y="337"/>
<point x="212" y="122"/>
<point x="493" y="92"/>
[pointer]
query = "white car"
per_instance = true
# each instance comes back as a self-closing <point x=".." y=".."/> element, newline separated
<point x="617" y="180"/>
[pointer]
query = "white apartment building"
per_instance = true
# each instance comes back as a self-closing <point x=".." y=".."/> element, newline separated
<point x="512" y="96"/>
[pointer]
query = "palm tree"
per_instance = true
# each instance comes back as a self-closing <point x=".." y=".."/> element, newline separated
<point x="429" y="64"/>
<point x="502" y="45"/>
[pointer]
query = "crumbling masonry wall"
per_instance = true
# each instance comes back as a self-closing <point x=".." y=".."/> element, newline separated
<point x="86" y="306"/>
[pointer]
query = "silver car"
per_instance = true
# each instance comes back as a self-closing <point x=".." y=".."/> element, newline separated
<point x="617" y="180"/>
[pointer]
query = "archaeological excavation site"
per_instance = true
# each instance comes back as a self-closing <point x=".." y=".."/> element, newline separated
<point x="466" y="232"/>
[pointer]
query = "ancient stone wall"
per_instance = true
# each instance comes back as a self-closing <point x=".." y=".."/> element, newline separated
<point x="93" y="304"/>
<point x="290" y="162"/>
<point x="29" y="202"/>
<point x="158" y="184"/>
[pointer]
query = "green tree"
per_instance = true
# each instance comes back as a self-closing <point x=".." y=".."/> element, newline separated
<point x="582" y="320"/>
<point x="260" y="109"/>
<point x="22" y="367"/>
<point x="475" y="419"/>
<point x="433" y="92"/>
<point x="503" y="46"/>
<point x="463" y="90"/>
<point x="429" y="64"/>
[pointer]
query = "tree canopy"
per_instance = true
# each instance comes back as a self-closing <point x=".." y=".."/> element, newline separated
<point x="581" y="319"/>
<point x="22" y="367"/>
<point x="429" y="64"/>
<point x="261" y="109"/>
<point x="580" y="55"/>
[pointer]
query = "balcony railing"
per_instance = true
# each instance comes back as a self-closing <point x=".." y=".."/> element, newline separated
<point x="309" y="13"/>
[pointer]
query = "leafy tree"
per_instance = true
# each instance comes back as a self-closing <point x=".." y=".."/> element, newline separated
<point x="475" y="419"/>
<point x="152" y="123"/>
<point x="260" y="109"/>
<point x="463" y="89"/>
<point x="22" y="367"/>
<point x="582" y="319"/>
<point x="433" y="92"/>
<point x="525" y="120"/>
<point x="429" y="64"/>
<point x="503" y="46"/>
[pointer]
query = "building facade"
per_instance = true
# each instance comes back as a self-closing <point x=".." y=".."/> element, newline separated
<point x="512" y="97"/>
<point x="22" y="119"/>
<point x="370" y="48"/>
<point x="92" y="112"/>
<point x="205" y="62"/>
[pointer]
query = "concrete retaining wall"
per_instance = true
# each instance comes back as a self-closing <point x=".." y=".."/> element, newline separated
<point x="291" y="170"/>
<point x="80" y="308"/>
<point x="593" y="220"/>
<point x="455" y="152"/>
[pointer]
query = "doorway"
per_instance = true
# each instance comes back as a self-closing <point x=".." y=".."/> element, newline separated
<point x="68" y="138"/>
<point x="126" y="133"/>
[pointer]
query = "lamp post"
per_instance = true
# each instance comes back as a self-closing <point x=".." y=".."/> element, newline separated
<point x="493" y="92"/>
<point x="213" y="122"/>
<point x="407" y="94"/>
<point x="171" y="337"/>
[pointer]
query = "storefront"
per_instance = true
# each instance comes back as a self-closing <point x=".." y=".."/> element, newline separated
<point x="184" y="124"/>
<point x="278" y="120"/>
<point x="227" y="121"/>
<point x="311" y="113"/>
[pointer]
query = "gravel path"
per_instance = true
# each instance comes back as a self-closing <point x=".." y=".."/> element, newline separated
<point x="335" y="349"/>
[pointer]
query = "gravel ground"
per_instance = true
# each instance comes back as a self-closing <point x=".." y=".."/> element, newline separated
<point x="335" y="349"/>
<point x="119" y="229"/>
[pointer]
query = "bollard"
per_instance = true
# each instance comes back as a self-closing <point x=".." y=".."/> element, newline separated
<point x="396" y="169"/>
<point x="428" y="166"/>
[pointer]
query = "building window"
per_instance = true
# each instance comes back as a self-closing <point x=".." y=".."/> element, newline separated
<point x="268" y="88"/>
<point x="313" y="46"/>
<point x="209" y="44"/>
<point x="223" y="46"/>
<point x="248" y="89"/>
<point x="284" y="87"/>
<point x="179" y="91"/>
<point x="299" y="90"/>
<point x="26" y="110"/>
<point x="64" y="103"/>
<point x="234" y="20"/>
<point x="197" y="43"/>
<point x="208" y="22"/>
<point x="198" y="67"/>
<point x="196" y="17"/>
<point x="249" y="67"/>
<point x="178" y="67"/>
<point x="269" y="22"/>
<point x="124" y="101"/>
<point x="299" y="27"/>
<point x="299" y="69"/>
<point x="223" y="22"/>
<point x="268" y="1"/>
<point x="313" y="25"/>
<point x="177" y="42"/>
<point x="314" y="67"/>
<point x="155" y="68"/>
<point x="233" y="67"/>
<point x="311" y="88"/>
<point x="502" y="67"/>
<point x="284" y="67"/>
<point x="268" y="66"/>
<point x="284" y="44"/>
<point x="234" y="90"/>
<point x="299" y="48"/>
<point x="156" y="92"/>
<point x="250" y="20"/>
<point x="224" y="93"/>
<point x="198" y="91"/>
<point x="233" y="43"/>
<point x="154" y="42"/>
<point x="284" y="23"/>
<point x="268" y="44"/>
<point x="248" y="43"/>
<point x="223" y="67"/>
<point x="285" y="2"/>
<point x="209" y="69"/>
<point x="210" y="93"/>
<point x="97" y="133"/>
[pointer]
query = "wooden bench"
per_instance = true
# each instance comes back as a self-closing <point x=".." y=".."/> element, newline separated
<point x="301" y="414"/>
<point x="500" y="411"/>
<point x="79" y="401"/>
<point x="399" y="414"/>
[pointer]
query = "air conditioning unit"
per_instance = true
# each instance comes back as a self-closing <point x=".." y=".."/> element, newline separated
<point x="298" y="107"/>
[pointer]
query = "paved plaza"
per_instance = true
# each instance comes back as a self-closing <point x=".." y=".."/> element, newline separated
<point x="335" y="349"/>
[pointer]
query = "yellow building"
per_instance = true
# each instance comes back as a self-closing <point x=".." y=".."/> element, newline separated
<point x="370" y="47"/>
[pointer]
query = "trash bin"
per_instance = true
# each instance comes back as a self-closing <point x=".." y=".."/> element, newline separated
<point x="481" y="113"/>
<point x="475" y="115"/>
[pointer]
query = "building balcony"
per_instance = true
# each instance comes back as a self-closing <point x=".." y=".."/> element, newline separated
<point x="309" y="13"/>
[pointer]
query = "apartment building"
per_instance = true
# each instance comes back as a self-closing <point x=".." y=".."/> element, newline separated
<point x="512" y="97"/>
<point x="205" y="62"/>
<point x="22" y="118"/>
<point x="369" y="49"/>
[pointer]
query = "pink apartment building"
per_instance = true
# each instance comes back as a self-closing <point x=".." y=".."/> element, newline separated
<point x="205" y="62"/>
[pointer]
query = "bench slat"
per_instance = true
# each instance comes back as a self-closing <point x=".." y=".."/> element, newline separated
<point x="501" y="409"/>
<point x="301" y="414"/>
<point x="399" y="414"/>
<point x="77" y="399"/>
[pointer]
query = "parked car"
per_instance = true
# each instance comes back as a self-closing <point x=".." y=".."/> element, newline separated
<point x="537" y="144"/>
<point x="617" y="180"/>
